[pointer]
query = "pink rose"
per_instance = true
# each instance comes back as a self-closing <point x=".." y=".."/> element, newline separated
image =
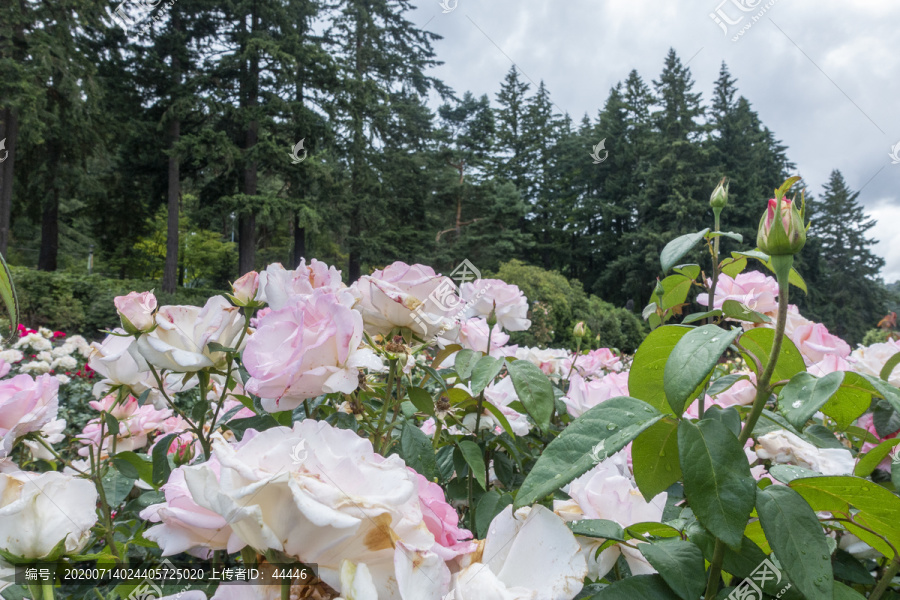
<point x="245" y="289"/>
<point x="308" y="348"/>
<point x="410" y="296"/>
<point x="278" y="285"/>
<point x="136" y="423"/>
<point x="136" y="311"/>
<point x="473" y="334"/>
<point x="442" y="521"/>
<point x="594" y="363"/>
<point x="829" y="364"/>
<point x="4" y="368"/>
<point x="509" y="303"/>
<point x="867" y="422"/>
<point x="813" y="339"/>
<point x="26" y="405"/>
<point x="584" y="395"/>
<point x="755" y="290"/>
<point x="184" y="525"/>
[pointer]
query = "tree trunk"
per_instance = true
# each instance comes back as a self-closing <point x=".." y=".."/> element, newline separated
<point x="247" y="224"/>
<point x="170" y="272"/>
<point x="9" y="132"/>
<point x="299" y="242"/>
<point x="50" y="215"/>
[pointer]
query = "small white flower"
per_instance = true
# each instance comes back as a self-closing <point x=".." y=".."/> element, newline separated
<point x="35" y="366"/>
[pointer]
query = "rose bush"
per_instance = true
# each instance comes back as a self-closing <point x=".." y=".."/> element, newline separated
<point x="388" y="437"/>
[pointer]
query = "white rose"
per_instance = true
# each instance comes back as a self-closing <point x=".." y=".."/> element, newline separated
<point x="180" y="341"/>
<point x="507" y="301"/>
<point x="782" y="446"/>
<point x="39" y="510"/>
<point x="869" y="360"/>
<point x="11" y="356"/>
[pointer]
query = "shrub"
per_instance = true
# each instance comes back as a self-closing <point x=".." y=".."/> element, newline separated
<point x="558" y="303"/>
<point x="84" y="303"/>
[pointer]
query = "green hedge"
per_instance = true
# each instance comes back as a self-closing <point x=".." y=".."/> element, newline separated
<point x="558" y="303"/>
<point x="84" y="303"/>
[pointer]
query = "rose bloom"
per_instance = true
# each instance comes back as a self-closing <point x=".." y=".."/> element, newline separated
<point x="869" y="360"/>
<point x="473" y="334"/>
<point x="245" y="289"/>
<point x="39" y="510"/>
<point x="135" y="424"/>
<point x="551" y="361"/>
<point x="180" y="341"/>
<point x="608" y="492"/>
<point x="507" y="301"/>
<point x="527" y="555"/>
<point x="321" y="495"/>
<point x="51" y="433"/>
<point x="829" y="364"/>
<point x="813" y="339"/>
<point x="26" y="405"/>
<point x="35" y="341"/>
<point x="307" y="348"/>
<point x="277" y="285"/>
<point x="183" y="525"/>
<point x="410" y="296"/>
<point x="584" y="395"/>
<point x="867" y="422"/>
<point x="500" y="394"/>
<point x="782" y="446"/>
<point x="136" y="310"/>
<point x="11" y="356"/>
<point x="595" y="363"/>
<point x="4" y="368"/>
<point x="755" y="290"/>
<point x="442" y="521"/>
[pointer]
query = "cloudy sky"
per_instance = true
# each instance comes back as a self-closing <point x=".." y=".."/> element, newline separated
<point x="824" y="75"/>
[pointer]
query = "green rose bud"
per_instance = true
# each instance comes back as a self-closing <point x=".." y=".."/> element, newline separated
<point x="719" y="198"/>
<point x="781" y="229"/>
<point x="579" y="329"/>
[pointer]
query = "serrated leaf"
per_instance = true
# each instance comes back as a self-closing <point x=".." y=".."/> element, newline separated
<point x="717" y="480"/>
<point x="645" y="379"/>
<point x="465" y="362"/>
<point x="691" y="362"/>
<point x="592" y="437"/>
<point x="116" y="486"/>
<point x="759" y="342"/>
<point x="729" y="234"/>
<point x="534" y="390"/>
<point x="798" y="540"/>
<point x="134" y="466"/>
<point x="160" y="459"/>
<point x="597" y="528"/>
<point x="806" y="394"/>
<point x="689" y="271"/>
<point x="489" y="506"/>
<point x="869" y="461"/>
<point x="484" y="373"/>
<point x="724" y="383"/>
<point x="645" y="587"/>
<point x="422" y="400"/>
<point x="735" y="310"/>
<point x="676" y="289"/>
<point x="10" y="299"/>
<point x="889" y="366"/>
<point x="471" y="453"/>
<point x="680" y="564"/>
<point x="417" y="451"/>
<point x="677" y="248"/>
<point x="654" y="455"/>
<point x="694" y="317"/>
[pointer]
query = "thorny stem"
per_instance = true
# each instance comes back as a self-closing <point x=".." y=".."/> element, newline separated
<point x="106" y="509"/>
<point x="711" y="305"/>
<point x="387" y="404"/>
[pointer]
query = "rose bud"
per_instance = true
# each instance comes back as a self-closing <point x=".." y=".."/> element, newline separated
<point x="136" y="311"/>
<point x="719" y="198"/>
<point x="579" y="330"/>
<point x="781" y="229"/>
<point x="245" y="289"/>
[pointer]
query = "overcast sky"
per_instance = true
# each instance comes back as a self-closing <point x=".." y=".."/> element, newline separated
<point x="824" y="75"/>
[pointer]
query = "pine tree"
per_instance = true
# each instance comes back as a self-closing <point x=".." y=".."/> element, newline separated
<point x="848" y="295"/>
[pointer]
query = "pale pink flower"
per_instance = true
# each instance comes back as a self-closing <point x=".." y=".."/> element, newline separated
<point x="867" y="422"/>
<point x="26" y="405"/>
<point x="784" y="447"/>
<point x="813" y="339"/>
<point x="473" y="334"/>
<point x="870" y="360"/>
<point x="595" y="363"/>
<point x="585" y="394"/>
<point x="136" y="310"/>
<point x="755" y="290"/>
<point x="278" y="286"/>
<point x="507" y="301"/>
<point x="550" y="360"/>
<point x="307" y="348"/>
<point x="136" y="423"/>
<point x="442" y="521"/>
<point x="246" y="289"/>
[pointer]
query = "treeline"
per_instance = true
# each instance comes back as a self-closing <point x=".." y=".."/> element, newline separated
<point x="170" y="148"/>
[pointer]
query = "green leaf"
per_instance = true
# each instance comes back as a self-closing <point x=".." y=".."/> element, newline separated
<point x="677" y="248"/>
<point x="694" y="317"/>
<point x="10" y="299"/>
<point x="691" y="362"/>
<point x="724" y="383"/>
<point x="689" y="271"/>
<point x="733" y="266"/>
<point x="806" y="394"/>
<point x="798" y="540"/>
<point x="871" y="459"/>
<point x="534" y="390"/>
<point x="217" y="347"/>
<point x="134" y="466"/>
<point x="112" y="423"/>
<point x="422" y="400"/>
<point x="645" y="587"/>
<point x="489" y="506"/>
<point x="843" y="592"/>
<point x="759" y="342"/>
<point x="788" y="473"/>
<point x="729" y="234"/>
<point x="160" y="457"/>
<point x="645" y="379"/>
<point x="848" y="568"/>
<point x="895" y="474"/>
<point x="142" y="399"/>
<point x="889" y="366"/>
<point x="257" y="422"/>
<point x="641" y="530"/>
<point x="742" y="312"/>
<point x="822" y="437"/>
<point x="654" y="455"/>
<point x="717" y="480"/>
<point x="501" y="418"/>
<point x="885" y="390"/>
<point x="850" y="401"/>
<point x="465" y="362"/>
<point x="598" y="528"/>
<point x="885" y="418"/>
<point x="729" y="417"/>
<point x="473" y="457"/>
<point x="680" y="564"/>
<point x="589" y="439"/>
<point x="116" y="486"/>
<point x="485" y="372"/>
<point x="878" y="509"/>
<point x="417" y="451"/>
<point x="676" y="289"/>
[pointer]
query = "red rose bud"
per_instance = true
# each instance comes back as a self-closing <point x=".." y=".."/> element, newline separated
<point x="781" y="229"/>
